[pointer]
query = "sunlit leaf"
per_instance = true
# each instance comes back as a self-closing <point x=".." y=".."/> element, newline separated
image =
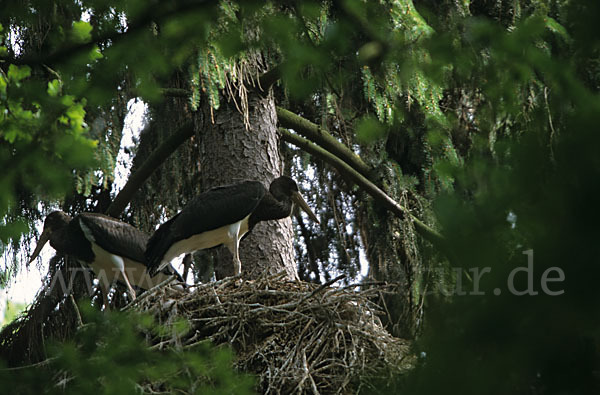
<point x="82" y="31"/>
<point x="54" y="87"/>
<point x="18" y="73"/>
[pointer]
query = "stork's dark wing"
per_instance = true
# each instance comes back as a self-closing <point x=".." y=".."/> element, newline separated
<point x="217" y="207"/>
<point x="210" y="210"/>
<point x="114" y="236"/>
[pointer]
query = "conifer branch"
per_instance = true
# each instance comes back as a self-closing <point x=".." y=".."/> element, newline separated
<point x="269" y="78"/>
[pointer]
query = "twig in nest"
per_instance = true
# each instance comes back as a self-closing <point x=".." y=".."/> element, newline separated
<point x="77" y="314"/>
<point x="148" y="293"/>
<point x="323" y="286"/>
<point x="33" y="365"/>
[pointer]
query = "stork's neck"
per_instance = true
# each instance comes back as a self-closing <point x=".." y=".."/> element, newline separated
<point x="60" y="240"/>
<point x="271" y="208"/>
<point x="68" y="239"/>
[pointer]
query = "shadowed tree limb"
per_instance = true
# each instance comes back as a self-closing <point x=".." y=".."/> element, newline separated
<point x="351" y="174"/>
<point x="158" y="156"/>
<point x="323" y="138"/>
<point x="267" y="79"/>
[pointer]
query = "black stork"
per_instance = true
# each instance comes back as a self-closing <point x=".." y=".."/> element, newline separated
<point x="113" y="249"/>
<point x="223" y="215"/>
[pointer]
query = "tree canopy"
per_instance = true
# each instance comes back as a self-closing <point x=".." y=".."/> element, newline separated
<point x="448" y="145"/>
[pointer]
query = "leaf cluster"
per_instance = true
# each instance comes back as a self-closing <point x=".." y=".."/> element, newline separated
<point x="110" y="355"/>
<point x="42" y="138"/>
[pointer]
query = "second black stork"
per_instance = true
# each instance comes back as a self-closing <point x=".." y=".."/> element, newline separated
<point x="223" y="215"/>
<point x="113" y="249"/>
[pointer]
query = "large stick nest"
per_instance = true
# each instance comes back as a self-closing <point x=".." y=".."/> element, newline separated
<point x="295" y="336"/>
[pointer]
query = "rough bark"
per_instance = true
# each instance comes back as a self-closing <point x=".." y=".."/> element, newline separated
<point x="231" y="153"/>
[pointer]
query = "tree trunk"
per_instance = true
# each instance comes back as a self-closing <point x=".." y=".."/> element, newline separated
<point x="230" y="153"/>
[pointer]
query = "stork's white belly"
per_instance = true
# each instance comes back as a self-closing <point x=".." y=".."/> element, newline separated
<point x="107" y="267"/>
<point x="227" y="235"/>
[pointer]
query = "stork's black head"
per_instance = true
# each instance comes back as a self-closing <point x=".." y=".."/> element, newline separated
<point x="54" y="222"/>
<point x="284" y="188"/>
